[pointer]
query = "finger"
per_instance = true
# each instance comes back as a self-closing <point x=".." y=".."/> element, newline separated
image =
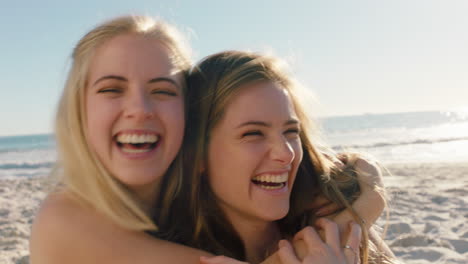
<point x="358" y="257"/>
<point x="300" y="248"/>
<point x="351" y="249"/>
<point x="354" y="235"/>
<point x="286" y="253"/>
<point x="332" y="235"/>
<point x="310" y="237"/>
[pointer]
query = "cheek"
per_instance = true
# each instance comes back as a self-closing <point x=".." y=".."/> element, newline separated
<point x="94" y="130"/>
<point x="93" y="126"/>
<point x="298" y="153"/>
<point x="99" y="118"/>
<point x="174" y="116"/>
<point x="232" y="166"/>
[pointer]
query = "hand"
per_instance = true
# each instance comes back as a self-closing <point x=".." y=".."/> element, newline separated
<point x="371" y="201"/>
<point x="219" y="260"/>
<point x="318" y="251"/>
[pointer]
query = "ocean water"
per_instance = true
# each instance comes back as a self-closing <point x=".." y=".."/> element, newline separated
<point x="26" y="156"/>
<point x="402" y="137"/>
<point x="390" y="138"/>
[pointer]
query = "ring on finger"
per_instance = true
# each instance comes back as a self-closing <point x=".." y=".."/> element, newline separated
<point x="350" y="248"/>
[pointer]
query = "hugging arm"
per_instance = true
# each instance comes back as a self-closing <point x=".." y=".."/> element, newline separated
<point x="369" y="205"/>
<point x="65" y="231"/>
<point x="310" y="248"/>
<point x="371" y="202"/>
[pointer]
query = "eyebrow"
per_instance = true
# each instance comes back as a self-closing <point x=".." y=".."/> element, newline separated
<point x="120" y="78"/>
<point x="115" y="77"/>
<point x="164" y="79"/>
<point x="265" y="124"/>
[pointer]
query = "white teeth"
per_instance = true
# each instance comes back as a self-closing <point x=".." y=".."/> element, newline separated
<point x="127" y="150"/>
<point x="137" y="139"/>
<point x="271" y="187"/>
<point x="271" y="178"/>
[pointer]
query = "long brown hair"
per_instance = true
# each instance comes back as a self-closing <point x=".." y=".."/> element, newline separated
<point x="196" y="219"/>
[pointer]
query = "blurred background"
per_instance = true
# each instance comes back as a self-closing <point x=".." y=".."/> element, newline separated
<point x="390" y="76"/>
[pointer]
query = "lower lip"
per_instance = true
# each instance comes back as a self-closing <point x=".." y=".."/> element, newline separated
<point x="138" y="156"/>
<point x="278" y="191"/>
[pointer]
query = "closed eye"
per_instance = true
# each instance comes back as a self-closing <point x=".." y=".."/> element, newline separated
<point x="252" y="133"/>
<point x="110" y="90"/>
<point x="164" y="92"/>
<point x="292" y="131"/>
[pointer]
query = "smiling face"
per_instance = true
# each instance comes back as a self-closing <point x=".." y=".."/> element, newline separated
<point x="134" y="109"/>
<point x="254" y="152"/>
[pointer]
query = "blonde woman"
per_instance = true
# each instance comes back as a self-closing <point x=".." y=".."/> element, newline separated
<point x="248" y="136"/>
<point x="119" y="128"/>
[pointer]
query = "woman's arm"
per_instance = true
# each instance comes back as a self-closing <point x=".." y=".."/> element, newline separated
<point x="65" y="231"/>
<point x="310" y="248"/>
<point x="380" y="244"/>
<point x="371" y="202"/>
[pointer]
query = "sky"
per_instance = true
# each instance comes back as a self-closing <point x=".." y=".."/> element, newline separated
<point x="360" y="56"/>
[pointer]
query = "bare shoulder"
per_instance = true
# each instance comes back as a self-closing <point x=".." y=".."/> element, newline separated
<point x="57" y="228"/>
<point x="66" y="231"/>
<point x="54" y="215"/>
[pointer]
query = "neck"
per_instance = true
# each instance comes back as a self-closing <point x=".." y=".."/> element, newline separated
<point x="148" y="195"/>
<point x="260" y="238"/>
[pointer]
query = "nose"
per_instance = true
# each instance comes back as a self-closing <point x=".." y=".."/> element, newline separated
<point x="139" y="106"/>
<point x="282" y="151"/>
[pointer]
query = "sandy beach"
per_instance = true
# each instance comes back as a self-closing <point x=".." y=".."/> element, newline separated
<point x="19" y="201"/>
<point x="428" y="221"/>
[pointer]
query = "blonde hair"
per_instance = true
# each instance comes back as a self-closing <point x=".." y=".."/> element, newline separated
<point x="213" y="83"/>
<point x="78" y="167"/>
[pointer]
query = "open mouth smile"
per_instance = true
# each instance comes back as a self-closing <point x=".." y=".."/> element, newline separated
<point x="137" y="143"/>
<point x="271" y="181"/>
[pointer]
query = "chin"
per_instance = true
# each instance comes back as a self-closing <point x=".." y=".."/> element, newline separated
<point x="137" y="178"/>
<point x="274" y="214"/>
